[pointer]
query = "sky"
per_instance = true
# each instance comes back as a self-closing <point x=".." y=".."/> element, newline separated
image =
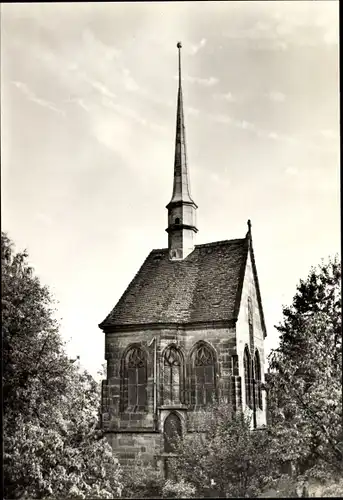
<point x="88" y="99"/>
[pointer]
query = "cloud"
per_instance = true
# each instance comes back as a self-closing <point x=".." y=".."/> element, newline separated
<point x="214" y="177"/>
<point x="206" y="82"/>
<point x="97" y="85"/>
<point x="194" y="48"/>
<point x="270" y="45"/>
<point x="226" y="97"/>
<point x="329" y="134"/>
<point x="245" y="125"/>
<point x="331" y="36"/>
<point x="192" y="111"/>
<point x="44" y="219"/>
<point x="129" y="83"/>
<point x="273" y="135"/>
<point x="80" y="102"/>
<point x="32" y="97"/>
<point x="229" y="97"/>
<point x="276" y="96"/>
<point x="124" y="111"/>
<point x="290" y="27"/>
<point x="251" y="127"/>
<point x="291" y="171"/>
<point x="221" y="119"/>
<point x="94" y="46"/>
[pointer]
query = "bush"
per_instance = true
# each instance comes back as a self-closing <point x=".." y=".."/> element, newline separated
<point x="223" y="457"/>
<point x="142" y="480"/>
<point x="178" y="489"/>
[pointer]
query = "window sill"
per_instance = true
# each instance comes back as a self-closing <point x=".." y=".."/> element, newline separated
<point x="134" y="411"/>
<point x="175" y="406"/>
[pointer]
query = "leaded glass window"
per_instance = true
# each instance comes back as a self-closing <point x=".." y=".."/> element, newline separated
<point x="204" y="376"/>
<point x="259" y="403"/>
<point x="135" y="379"/>
<point x="251" y="323"/>
<point x="247" y="378"/>
<point x="172" y="376"/>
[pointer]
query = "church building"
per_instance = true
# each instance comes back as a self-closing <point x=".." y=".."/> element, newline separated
<point x="188" y="330"/>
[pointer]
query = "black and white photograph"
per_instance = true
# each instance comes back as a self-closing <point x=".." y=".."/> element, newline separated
<point x="171" y="250"/>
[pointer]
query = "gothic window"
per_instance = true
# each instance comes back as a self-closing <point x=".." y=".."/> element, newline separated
<point x="135" y="380"/>
<point x="177" y="220"/>
<point x="172" y="376"/>
<point x="172" y="432"/>
<point x="204" y="387"/>
<point x="251" y="323"/>
<point x="258" y="381"/>
<point x="247" y="378"/>
<point x="234" y="365"/>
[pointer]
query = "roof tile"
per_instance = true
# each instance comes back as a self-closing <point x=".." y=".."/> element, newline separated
<point x="204" y="287"/>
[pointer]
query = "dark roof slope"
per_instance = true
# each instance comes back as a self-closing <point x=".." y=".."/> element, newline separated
<point x="204" y="287"/>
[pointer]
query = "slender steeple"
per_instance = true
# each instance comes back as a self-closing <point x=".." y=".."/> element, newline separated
<point x="181" y="209"/>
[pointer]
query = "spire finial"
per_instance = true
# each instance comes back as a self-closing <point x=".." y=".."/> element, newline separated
<point x="179" y="46"/>
<point x="249" y="225"/>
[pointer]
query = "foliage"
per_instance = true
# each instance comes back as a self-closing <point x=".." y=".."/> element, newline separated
<point x="304" y="386"/>
<point x="223" y="456"/>
<point x="142" y="480"/>
<point x="287" y="487"/>
<point x="177" y="489"/>
<point x="52" y="445"/>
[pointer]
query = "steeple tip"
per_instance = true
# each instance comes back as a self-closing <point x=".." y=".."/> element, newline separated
<point x="179" y="45"/>
<point x="249" y="229"/>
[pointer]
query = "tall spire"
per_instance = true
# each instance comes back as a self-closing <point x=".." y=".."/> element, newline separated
<point x="181" y="208"/>
<point x="181" y="188"/>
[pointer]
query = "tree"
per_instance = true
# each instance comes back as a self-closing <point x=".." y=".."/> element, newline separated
<point x="52" y="443"/>
<point x="224" y="457"/>
<point x="304" y="385"/>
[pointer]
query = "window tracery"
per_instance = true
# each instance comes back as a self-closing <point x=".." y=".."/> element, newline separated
<point x="204" y="386"/>
<point x="247" y="378"/>
<point x="172" y="376"/>
<point x="258" y="380"/>
<point x="135" y="380"/>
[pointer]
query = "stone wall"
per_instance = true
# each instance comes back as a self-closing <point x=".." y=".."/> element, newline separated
<point x="130" y="432"/>
<point x="129" y="444"/>
<point x="243" y="337"/>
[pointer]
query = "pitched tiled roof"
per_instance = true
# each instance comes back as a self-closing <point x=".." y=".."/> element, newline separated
<point x="204" y="287"/>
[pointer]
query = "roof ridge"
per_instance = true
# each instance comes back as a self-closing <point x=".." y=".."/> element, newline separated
<point x="211" y="244"/>
<point x="221" y="242"/>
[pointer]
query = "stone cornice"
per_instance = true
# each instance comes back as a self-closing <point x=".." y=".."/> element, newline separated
<point x="177" y="227"/>
<point x="171" y="326"/>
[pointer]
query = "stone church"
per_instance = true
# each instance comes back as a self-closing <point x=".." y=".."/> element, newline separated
<point x="188" y="330"/>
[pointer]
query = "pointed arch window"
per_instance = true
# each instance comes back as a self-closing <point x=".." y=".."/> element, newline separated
<point x="251" y="323"/>
<point x="247" y="378"/>
<point x="258" y="381"/>
<point x="172" y="376"/>
<point x="204" y="381"/>
<point x="135" y="380"/>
